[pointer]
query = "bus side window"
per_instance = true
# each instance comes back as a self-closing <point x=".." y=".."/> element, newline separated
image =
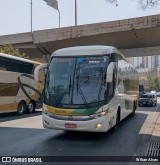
<point x="19" y="66"/>
<point x="13" y="66"/>
<point x="28" y="68"/>
<point x="3" y="64"/>
<point x="2" y="67"/>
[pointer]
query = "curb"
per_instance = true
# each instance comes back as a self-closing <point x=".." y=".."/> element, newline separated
<point x="156" y="131"/>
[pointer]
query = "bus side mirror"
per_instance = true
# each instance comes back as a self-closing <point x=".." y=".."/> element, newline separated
<point x="37" y="70"/>
<point x="109" y="76"/>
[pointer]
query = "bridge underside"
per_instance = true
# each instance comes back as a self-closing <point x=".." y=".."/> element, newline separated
<point x="133" y="37"/>
<point x="132" y="43"/>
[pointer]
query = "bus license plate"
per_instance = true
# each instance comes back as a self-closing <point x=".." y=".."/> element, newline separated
<point x="68" y="125"/>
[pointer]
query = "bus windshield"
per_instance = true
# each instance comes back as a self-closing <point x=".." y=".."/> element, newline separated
<point x="76" y="80"/>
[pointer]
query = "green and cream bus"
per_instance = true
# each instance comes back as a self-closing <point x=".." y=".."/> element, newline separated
<point x="18" y="89"/>
<point x="88" y="88"/>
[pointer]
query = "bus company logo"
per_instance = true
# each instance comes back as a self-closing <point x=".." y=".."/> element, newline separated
<point x="60" y="112"/>
<point x="6" y="159"/>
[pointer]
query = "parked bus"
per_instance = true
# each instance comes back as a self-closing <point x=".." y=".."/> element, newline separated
<point x="18" y="89"/>
<point x="88" y="88"/>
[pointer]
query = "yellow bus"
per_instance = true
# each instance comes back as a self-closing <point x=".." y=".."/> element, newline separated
<point x="88" y="88"/>
<point x="18" y="90"/>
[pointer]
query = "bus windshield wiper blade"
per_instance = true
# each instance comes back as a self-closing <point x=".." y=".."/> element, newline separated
<point x="80" y="91"/>
<point x="68" y="88"/>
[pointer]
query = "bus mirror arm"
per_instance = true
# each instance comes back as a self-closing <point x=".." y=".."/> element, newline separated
<point x="110" y="69"/>
<point x="37" y="70"/>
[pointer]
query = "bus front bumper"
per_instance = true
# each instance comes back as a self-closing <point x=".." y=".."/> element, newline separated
<point x="100" y="124"/>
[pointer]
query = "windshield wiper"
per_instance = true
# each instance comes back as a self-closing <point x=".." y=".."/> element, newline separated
<point x="100" y="90"/>
<point x="79" y="90"/>
<point x="67" y="91"/>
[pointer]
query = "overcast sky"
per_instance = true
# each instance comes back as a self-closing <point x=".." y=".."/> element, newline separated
<point x="15" y="14"/>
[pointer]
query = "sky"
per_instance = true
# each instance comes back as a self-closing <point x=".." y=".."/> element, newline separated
<point x="16" y="14"/>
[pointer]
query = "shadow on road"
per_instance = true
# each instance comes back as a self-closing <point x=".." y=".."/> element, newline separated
<point x="14" y="116"/>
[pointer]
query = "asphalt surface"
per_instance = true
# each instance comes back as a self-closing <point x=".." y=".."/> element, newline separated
<point x="24" y="136"/>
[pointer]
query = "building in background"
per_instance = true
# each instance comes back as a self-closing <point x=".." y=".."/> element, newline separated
<point x="145" y="62"/>
<point x="148" y="68"/>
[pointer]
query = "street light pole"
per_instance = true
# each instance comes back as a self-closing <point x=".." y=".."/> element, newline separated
<point x="59" y="18"/>
<point x="75" y="12"/>
<point x="31" y="16"/>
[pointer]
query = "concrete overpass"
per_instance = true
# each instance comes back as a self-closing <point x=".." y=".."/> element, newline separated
<point x="133" y="37"/>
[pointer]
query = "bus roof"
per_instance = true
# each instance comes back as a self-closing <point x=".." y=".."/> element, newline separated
<point x="86" y="50"/>
<point x="18" y="58"/>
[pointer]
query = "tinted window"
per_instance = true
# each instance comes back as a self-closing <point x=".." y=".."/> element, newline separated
<point x="28" y="68"/>
<point x="3" y="64"/>
<point x="16" y="66"/>
<point x="146" y="96"/>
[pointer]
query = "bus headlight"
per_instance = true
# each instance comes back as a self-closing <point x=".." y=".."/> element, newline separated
<point x="99" y="114"/>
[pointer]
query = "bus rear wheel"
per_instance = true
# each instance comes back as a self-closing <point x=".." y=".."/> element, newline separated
<point x="134" y="109"/>
<point x="31" y="107"/>
<point x="21" y="107"/>
<point x="117" y="119"/>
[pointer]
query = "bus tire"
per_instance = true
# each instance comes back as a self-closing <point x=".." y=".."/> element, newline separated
<point x="117" y="119"/>
<point x="31" y="107"/>
<point x="21" y="107"/>
<point x="134" y="110"/>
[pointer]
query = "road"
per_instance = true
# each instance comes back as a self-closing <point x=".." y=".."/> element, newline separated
<point x="25" y="136"/>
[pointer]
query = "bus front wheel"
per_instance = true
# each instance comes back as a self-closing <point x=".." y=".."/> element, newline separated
<point x="117" y="119"/>
<point x="31" y="107"/>
<point x="21" y="107"/>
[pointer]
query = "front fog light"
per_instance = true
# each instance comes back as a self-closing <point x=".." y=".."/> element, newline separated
<point x="99" y="125"/>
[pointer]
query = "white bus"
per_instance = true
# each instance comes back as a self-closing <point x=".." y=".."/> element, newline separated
<point x="88" y="88"/>
<point x="18" y="89"/>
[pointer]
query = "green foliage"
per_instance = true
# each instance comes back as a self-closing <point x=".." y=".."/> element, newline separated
<point x="9" y="49"/>
<point x="153" y="81"/>
<point x="157" y="82"/>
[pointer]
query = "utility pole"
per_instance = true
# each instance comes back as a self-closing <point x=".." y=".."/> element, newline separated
<point x="59" y="19"/>
<point x="75" y="12"/>
<point x="31" y="17"/>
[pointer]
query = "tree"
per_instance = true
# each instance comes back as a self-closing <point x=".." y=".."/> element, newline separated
<point x="153" y="80"/>
<point x="157" y="83"/>
<point x="9" y="49"/>
<point x="150" y="77"/>
<point x="143" y="4"/>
